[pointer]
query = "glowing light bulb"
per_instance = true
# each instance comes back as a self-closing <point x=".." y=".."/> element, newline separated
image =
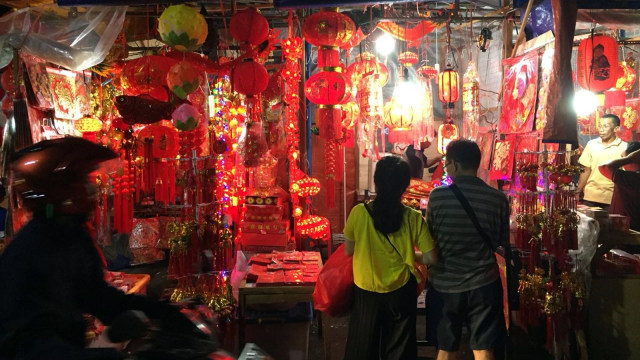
<point x="585" y="102"/>
<point x="385" y="44"/>
<point x="408" y="93"/>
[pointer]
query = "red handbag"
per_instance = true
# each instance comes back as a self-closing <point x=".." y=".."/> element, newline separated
<point x="332" y="294"/>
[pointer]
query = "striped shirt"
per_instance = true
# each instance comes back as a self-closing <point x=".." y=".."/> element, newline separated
<point x="465" y="261"/>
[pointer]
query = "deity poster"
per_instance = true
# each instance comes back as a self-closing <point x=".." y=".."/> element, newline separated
<point x="502" y="164"/>
<point x="519" y="92"/>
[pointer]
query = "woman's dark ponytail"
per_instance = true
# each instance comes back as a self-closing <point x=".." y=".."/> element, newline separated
<point x="392" y="177"/>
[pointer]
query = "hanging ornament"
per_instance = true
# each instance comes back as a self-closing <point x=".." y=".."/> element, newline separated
<point x="597" y="68"/>
<point x="146" y="75"/>
<point x="249" y="26"/>
<point x="182" y="27"/>
<point x="367" y="65"/>
<point x="407" y="59"/>
<point x="427" y="72"/>
<point x="328" y="28"/>
<point x="186" y="117"/>
<point x="313" y="226"/>
<point x="183" y="79"/>
<point x="249" y="78"/>
<point x="448" y="91"/>
<point x="470" y="102"/>
<point x="627" y="77"/>
<point x="447" y="132"/>
<point x="306" y="186"/>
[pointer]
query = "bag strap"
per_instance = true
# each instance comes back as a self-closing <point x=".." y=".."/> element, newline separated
<point x="385" y="235"/>
<point x="472" y="215"/>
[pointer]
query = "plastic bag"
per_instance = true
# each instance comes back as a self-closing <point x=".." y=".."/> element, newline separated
<point x="73" y="40"/>
<point x="332" y="294"/>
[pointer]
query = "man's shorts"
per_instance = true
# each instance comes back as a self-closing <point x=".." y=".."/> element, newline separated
<point x="480" y="309"/>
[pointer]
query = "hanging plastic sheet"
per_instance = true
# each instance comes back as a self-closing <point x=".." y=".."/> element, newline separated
<point x="74" y="40"/>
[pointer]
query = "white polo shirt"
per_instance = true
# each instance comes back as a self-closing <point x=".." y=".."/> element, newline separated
<point x="598" y="187"/>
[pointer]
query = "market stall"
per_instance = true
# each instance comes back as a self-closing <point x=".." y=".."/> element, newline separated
<point x="247" y="130"/>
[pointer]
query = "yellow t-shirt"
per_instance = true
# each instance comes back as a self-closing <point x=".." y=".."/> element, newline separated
<point x="376" y="266"/>
<point x="598" y="188"/>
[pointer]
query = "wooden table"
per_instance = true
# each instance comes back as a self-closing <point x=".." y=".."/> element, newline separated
<point x="249" y="294"/>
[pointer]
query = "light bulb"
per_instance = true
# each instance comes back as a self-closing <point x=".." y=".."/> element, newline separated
<point x="408" y="93"/>
<point x="585" y="102"/>
<point x="385" y="44"/>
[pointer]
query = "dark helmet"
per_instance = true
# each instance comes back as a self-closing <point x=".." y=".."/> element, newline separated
<point x="53" y="175"/>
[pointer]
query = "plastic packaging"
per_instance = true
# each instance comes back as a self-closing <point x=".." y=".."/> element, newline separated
<point x="332" y="294"/>
<point x="75" y="40"/>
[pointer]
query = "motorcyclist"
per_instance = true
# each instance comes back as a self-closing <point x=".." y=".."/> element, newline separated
<point x="51" y="272"/>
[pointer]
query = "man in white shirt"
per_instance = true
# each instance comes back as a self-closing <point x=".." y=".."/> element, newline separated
<point x="597" y="189"/>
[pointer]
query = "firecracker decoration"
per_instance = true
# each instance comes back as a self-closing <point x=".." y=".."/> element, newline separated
<point x="181" y="259"/>
<point x="182" y="27"/>
<point x="314" y="227"/>
<point x="470" y="102"/>
<point x="123" y="192"/>
<point x="158" y="145"/>
<point x="292" y="52"/>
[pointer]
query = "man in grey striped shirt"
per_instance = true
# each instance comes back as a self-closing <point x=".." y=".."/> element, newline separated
<point x="465" y="281"/>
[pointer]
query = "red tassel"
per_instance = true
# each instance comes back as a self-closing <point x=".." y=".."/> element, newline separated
<point x="550" y="333"/>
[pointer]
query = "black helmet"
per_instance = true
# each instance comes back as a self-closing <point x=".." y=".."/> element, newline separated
<point x="52" y="175"/>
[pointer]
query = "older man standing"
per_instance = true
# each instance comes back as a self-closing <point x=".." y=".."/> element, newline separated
<point x="598" y="189"/>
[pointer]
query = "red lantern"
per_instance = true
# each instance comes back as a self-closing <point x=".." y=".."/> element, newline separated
<point x="328" y="28"/>
<point x="249" y="26"/>
<point x="327" y="88"/>
<point x="249" y="78"/>
<point x="427" y="72"/>
<point x="598" y="63"/>
<point x="448" y="88"/>
<point x="368" y="67"/>
<point x="146" y="75"/>
<point x="408" y="58"/>
<point x="447" y="132"/>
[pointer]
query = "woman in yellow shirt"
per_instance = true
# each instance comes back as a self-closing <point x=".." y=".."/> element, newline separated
<point x="382" y="236"/>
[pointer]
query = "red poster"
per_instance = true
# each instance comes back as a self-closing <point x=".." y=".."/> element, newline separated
<point x="485" y="143"/>
<point x="502" y="164"/>
<point x="519" y="92"/>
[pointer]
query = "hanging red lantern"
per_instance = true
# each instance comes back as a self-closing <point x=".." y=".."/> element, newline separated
<point x="146" y="75"/>
<point x="306" y="186"/>
<point x="328" y="28"/>
<point x="598" y="63"/>
<point x="249" y="78"/>
<point x="447" y="132"/>
<point x="327" y="88"/>
<point x="408" y="58"/>
<point x="448" y="88"/>
<point x="249" y="26"/>
<point x="427" y="72"/>
<point x="368" y="65"/>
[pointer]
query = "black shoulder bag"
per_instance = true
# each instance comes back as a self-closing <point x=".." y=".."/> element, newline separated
<point x="503" y="256"/>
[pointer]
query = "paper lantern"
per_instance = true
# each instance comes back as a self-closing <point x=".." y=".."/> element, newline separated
<point x="327" y="88"/>
<point x="306" y="186"/>
<point x="313" y="226"/>
<point x="598" y="68"/>
<point x="249" y="78"/>
<point x="186" y="117"/>
<point x="350" y="115"/>
<point x="368" y="66"/>
<point x="182" y="27"/>
<point x="165" y="140"/>
<point x="408" y="58"/>
<point x="183" y="79"/>
<point x="427" y="72"/>
<point x="328" y="28"/>
<point x="447" y="132"/>
<point x="448" y="91"/>
<point x="146" y="75"/>
<point x="249" y="26"/>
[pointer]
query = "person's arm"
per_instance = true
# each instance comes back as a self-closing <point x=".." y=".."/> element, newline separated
<point x="607" y="170"/>
<point x="582" y="181"/>
<point x="428" y="258"/>
<point x="432" y="161"/>
<point x="349" y="247"/>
